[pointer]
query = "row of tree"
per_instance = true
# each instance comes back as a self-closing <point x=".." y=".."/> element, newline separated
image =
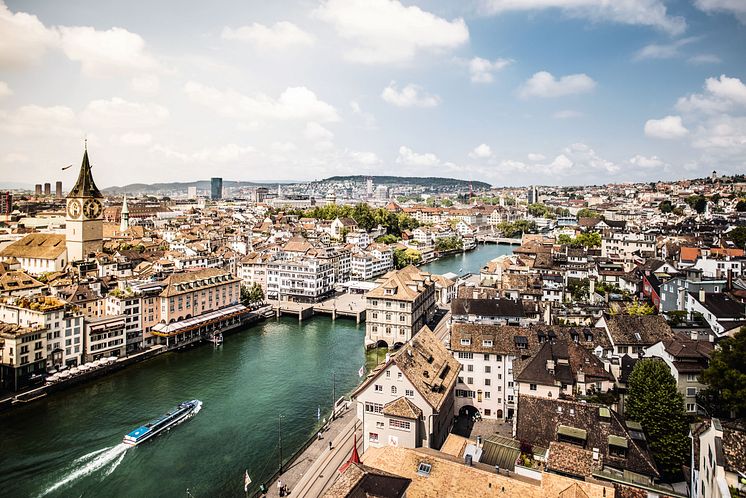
<point x="365" y="216"/>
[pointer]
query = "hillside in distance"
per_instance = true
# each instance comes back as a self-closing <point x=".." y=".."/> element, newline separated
<point x="425" y="181"/>
<point x="155" y="188"/>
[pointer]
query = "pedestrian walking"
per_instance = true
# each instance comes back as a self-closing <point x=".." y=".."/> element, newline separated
<point x="330" y="446"/>
<point x="320" y="436"/>
<point x="279" y="487"/>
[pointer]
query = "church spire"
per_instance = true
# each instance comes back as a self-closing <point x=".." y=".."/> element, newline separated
<point x="124" y="223"/>
<point x="85" y="186"/>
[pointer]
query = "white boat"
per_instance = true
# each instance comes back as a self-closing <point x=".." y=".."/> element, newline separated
<point x="182" y="412"/>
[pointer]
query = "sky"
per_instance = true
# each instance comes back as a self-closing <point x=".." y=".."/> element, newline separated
<point x="510" y="92"/>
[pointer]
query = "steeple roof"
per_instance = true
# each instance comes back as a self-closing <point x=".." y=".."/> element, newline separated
<point x="85" y="186"/>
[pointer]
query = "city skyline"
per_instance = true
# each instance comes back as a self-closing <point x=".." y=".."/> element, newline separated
<point x="647" y="90"/>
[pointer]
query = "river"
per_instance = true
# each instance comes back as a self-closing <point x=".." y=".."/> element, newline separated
<point x="69" y="444"/>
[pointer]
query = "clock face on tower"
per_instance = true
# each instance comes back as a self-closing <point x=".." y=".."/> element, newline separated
<point x="74" y="208"/>
<point x="92" y="209"/>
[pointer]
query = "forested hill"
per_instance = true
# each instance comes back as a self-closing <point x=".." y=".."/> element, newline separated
<point x="425" y="181"/>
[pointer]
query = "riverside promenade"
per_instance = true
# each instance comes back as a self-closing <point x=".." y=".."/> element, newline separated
<point x="314" y="471"/>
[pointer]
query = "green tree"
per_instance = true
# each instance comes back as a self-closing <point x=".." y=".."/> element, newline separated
<point x="697" y="202"/>
<point x="654" y="401"/>
<point x="741" y="205"/>
<point x="639" y="308"/>
<point x="252" y="294"/>
<point x="406" y="257"/>
<point x="726" y="373"/>
<point x="665" y="206"/>
<point x="448" y="244"/>
<point x="737" y="236"/>
<point x="589" y="213"/>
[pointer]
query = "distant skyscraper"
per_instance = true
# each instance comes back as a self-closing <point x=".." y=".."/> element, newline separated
<point x="37" y="189"/>
<point x="6" y="204"/>
<point x="260" y="194"/>
<point x="216" y="189"/>
<point x="369" y="187"/>
<point x="47" y="189"/>
<point x="533" y="195"/>
<point x="192" y="192"/>
<point x="58" y="190"/>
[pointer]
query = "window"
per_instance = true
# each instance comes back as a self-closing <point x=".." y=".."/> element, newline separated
<point x="487" y="357"/>
<point x="380" y="425"/>
<point x="622" y="349"/>
<point x="466" y="342"/>
<point x="466" y="356"/>
<point x="461" y="380"/>
<point x="487" y="343"/>
<point x="470" y="380"/>
<point x="487" y="369"/>
<point x="469" y="368"/>
<point x="388" y="373"/>
<point x="510" y="384"/>
<point x="487" y="412"/>
<point x="690" y="407"/>
<point x="691" y="391"/>
<point x="409" y="393"/>
<point x="373" y="437"/>
<point x="532" y="387"/>
<point x="486" y="395"/>
<point x="399" y="424"/>
<point x="487" y="382"/>
<point x="691" y="377"/>
<point x="379" y="388"/>
<point x="393" y="389"/>
<point x="510" y="398"/>
<point x="424" y="469"/>
<point x="399" y="376"/>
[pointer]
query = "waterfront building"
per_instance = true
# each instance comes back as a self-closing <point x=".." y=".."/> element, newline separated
<point x="38" y="253"/>
<point x="216" y="189"/>
<point x="301" y="279"/>
<point x="191" y="294"/>
<point x="22" y="356"/>
<point x="105" y="336"/>
<point x="84" y="228"/>
<point x="408" y="399"/>
<point x="124" y="301"/>
<point x="62" y="324"/>
<point x="253" y="270"/>
<point x="399" y="307"/>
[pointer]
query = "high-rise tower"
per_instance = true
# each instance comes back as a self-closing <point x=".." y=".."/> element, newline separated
<point x="85" y="225"/>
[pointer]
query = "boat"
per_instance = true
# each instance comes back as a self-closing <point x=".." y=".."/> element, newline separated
<point x="182" y="412"/>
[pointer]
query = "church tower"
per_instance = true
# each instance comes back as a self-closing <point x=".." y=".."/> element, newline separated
<point x="85" y="224"/>
<point x="124" y="223"/>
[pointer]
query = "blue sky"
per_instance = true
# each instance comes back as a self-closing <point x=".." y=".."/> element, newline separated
<point x="512" y="92"/>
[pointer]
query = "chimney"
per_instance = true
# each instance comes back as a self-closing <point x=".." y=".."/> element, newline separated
<point x="550" y="366"/>
<point x="694" y="335"/>
<point x="730" y="279"/>
<point x="702" y="295"/>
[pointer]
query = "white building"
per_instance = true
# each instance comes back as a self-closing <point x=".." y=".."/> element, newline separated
<point x="301" y="279"/>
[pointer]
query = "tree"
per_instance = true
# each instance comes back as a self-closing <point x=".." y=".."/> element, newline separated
<point x="741" y="205"/>
<point x="726" y="373"/>
<point x="697" y="202"/>
<point x="654" y="401"/>
<point x="738" y="236"/>
<point x="448" y="244"/>
<point x="589" y="213"/>
<point x="639" y="308"/>
<point x="665" y="206"/>
<point x="251" y="295"/>
<point x="406" y="257"/>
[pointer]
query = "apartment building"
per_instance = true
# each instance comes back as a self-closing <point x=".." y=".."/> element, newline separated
<point x="627" y="245"/>
<point x="300" y="279"/>
<point x="105" y="336"/>
<point x="126" y="302"/>
<point x="399" y="307"/>
<point x="191" y="294"/>
<point x="23" y="356"/>
<point x="63" y="325"/>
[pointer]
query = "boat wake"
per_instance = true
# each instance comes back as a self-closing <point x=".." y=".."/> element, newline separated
<point x="107" y="459"/>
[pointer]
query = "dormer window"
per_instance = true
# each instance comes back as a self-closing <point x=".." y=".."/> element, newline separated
<point x="487" y="343"/>
<point x="466" y="342"/>
<point x="617" y="446"/>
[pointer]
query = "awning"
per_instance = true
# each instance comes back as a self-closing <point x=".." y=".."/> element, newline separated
<point x="169" y="329"/>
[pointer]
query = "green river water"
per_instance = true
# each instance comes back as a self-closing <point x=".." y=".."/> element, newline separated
<point x="69" y="444"/>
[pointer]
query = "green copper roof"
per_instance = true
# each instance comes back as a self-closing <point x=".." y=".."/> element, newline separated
<point x="85" y="186"/>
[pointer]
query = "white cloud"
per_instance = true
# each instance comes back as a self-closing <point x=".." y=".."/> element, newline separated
<point x="721" y="95"/>
<point x="567" y="114"/>
<point x="635" y="12"/>
<point x="409" y="96"/>
<point x="664" y="50"/>
<point x="134" y="139"/>
<point x="705" y="59"/>
<point x="652" y="162"/>
<point x="533" y="157"/>
<point x="295" y="103"/>
<point x="317" y="133"/>
<point x="481" y="69"/>
<point x="145" y="84"/>
<point x="5" y="90"/>
<point x="280" y="35"/>
<point x="735" y="7"/>
<point x="284" y="146"/>
<point x="668" y="128"/>
<point x="544" y="84"/>
<point x="482" y="151"/>
<point x="23" y="38"/>
<point x="385" y="31"/>
<point x="364" y="158"/>
<point x="112" y="52"/>
<point x="15" y="158"/>
<point x="119" y="113"/>
<point x="369" y="120"/>
<point x="34" y="120"/>
<point x="408" y="157"/>
<point x="223" y="154"/>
